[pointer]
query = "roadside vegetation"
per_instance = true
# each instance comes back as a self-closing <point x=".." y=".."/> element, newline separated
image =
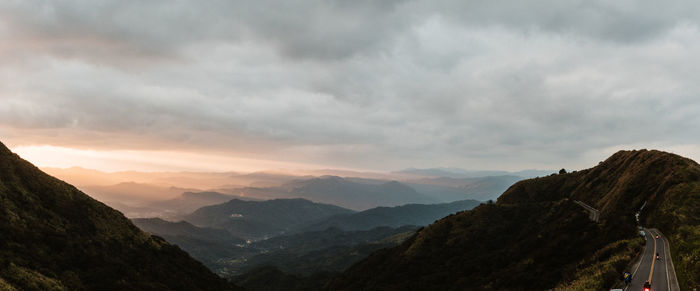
<point x="605" y="267"/>
<point x="679" y="218"/>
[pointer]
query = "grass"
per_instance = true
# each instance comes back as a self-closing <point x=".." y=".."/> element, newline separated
<point x="605" y="267"/>
<point x="680" y="221"/>
<point x="31" y="280"/>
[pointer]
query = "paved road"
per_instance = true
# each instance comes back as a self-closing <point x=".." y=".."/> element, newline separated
<point x="593" y="214"/>
<point x="660" y="273"/>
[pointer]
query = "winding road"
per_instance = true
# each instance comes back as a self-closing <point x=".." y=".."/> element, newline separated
<point x="593" y="214"/>
<point x="660" y="273"/>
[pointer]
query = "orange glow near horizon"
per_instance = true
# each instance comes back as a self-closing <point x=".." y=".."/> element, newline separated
<point x="142" y="160"/>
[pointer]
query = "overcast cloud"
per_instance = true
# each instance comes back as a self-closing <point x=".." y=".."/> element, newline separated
<point x="355" y="84"/>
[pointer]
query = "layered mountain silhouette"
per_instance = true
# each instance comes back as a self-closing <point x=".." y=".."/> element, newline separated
<point x="447" y="189"/>
<point x="261" y="219"/>
<point x="409" y="214"/>
<point x="536" y="238"/>
<point x="355" y="195"/>
<point x="190" y="201"/>
<point x="54" y="237"/>
<point x="322" y="242"/>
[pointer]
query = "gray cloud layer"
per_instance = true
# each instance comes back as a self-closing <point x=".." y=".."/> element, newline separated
<point x="365" y="84"/>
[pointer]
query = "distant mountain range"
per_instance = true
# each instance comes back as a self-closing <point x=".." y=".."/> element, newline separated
<point x="141" y="194"/>
<point x="462" y="173"/>
<point x="409" y="214"/>
<point x="445" y="189"/>
<point x="533" y="237"/>
<point x="312" y="230"/>
<point x="54" y="237"/>
<point x="262" y="219"/>
<point x="190" y="201"/>
<point x="183" y="229"/>
<point x="354" y="195"/>
<point x="362" y="194"/>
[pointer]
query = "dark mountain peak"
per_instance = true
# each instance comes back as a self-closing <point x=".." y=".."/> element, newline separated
<point x="261" y="219"/>
<point x="629" y="176"/>
<point x="53" y="232"/>
<point x="536" y="228"/>
<point x="644" y="157"/>
<point x="4" y="150"/>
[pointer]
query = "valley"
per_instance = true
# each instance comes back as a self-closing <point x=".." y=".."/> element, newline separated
<point x="548" y="226"/>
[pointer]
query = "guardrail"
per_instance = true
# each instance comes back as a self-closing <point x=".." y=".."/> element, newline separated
<point x="593" y="214"/>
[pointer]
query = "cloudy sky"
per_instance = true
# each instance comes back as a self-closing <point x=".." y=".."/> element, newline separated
<point x="374" y="85"/>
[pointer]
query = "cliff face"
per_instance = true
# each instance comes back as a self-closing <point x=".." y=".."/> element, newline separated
<point x="55" y="237"/>
<point x="534" y="237"/>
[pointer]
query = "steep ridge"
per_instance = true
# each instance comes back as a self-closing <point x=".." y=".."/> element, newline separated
<point x="213" y="247"/>
<point x="535" y="238"/>
<point x="54" y="237"/>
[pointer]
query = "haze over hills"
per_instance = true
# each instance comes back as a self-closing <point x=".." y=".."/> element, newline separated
<point x="289" y="145"/>
<point x="134" y="193"/>
<point x="535" y="237"/>
<point x="190" y="201"/>
<point x="353" y="195"/>
<point x="409" y="214"/>
<point x="302" y="253"/>
<point x="213" y="247"/>
<point x="446" y="189"/>
<point x="159" y="194"/>
<point x="54" y="237"/>
<point x="329" y="243"/>
<point x="458" y="173"/>
<point x="261" y="219"/>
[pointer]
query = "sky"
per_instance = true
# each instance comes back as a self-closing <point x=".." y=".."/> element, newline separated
<point x="367" y="85"/>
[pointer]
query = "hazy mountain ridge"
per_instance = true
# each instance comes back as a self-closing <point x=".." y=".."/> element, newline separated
<point x="56" y="237"/>
<point x="142" y="194"/>
<point x="448" y="189"/>
<point x="409" y="214"/>
<point x="462" y="173"/>
<point x="536" y="238"/>
<point x="334" y="242"/>
<point x="261" y="219"/>
<point x="183" y="228"/>
<point x="354" y="195"/>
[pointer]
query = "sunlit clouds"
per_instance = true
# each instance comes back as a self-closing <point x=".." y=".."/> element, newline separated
<point x="154" y="160"/>
<point x="376" y="85"/>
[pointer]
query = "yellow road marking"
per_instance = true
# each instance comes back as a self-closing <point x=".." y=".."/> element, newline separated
<point x="653" y="257"/>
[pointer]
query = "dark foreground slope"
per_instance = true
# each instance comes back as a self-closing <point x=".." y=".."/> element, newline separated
<point x="54" y="237"/>
<point x="536" y="238"/>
